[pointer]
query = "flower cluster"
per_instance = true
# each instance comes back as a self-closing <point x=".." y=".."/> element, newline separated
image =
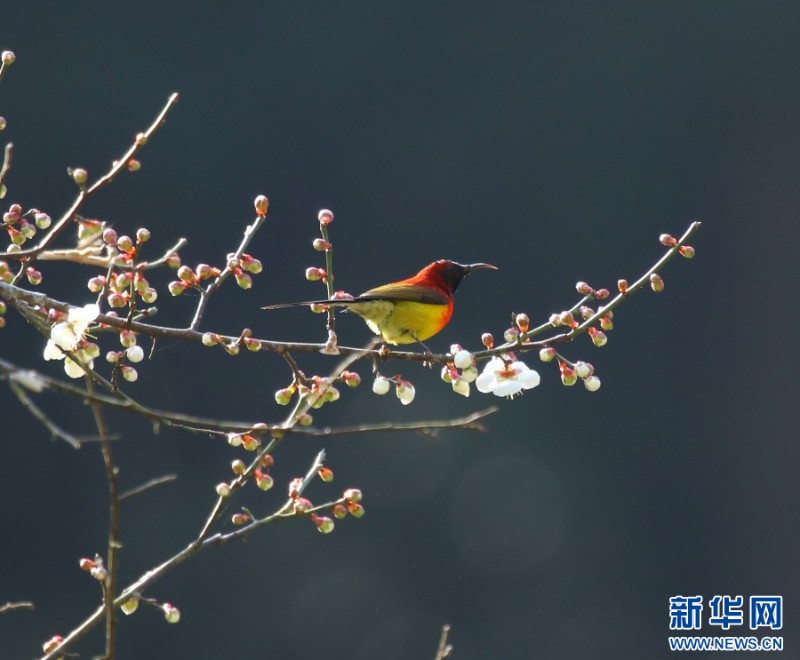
<point x="22" y="226"/>
<point x="67" y="340"/>
<point x="404" y="389"/>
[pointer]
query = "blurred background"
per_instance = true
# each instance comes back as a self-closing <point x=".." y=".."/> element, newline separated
<point x="556" y="141"/>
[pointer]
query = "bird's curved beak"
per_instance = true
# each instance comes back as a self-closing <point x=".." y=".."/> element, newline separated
<point x="468" y="268"/>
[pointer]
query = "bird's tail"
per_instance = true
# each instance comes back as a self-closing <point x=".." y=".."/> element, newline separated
<point x="307" y="303"/>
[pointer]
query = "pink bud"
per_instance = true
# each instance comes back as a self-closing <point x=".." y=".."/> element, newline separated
<point x="667" y="240"/>
<point x="325" y="217"/>
<point x="262" y="205"/>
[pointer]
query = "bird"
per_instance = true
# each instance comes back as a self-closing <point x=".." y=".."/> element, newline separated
<point x="410" y="310"/>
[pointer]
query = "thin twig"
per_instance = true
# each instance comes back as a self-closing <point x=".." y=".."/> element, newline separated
<point x="67" y="217"/>
<point x="152" y="483"/>
<point x="89" y="256"/>
<point x="445" y="650"/>
<point x="113" y="545"/>
<point x="19" y="605"/>
<point x="205" y="294"/>
<point x="9" y="152"/>
<point x="55" y="430"/>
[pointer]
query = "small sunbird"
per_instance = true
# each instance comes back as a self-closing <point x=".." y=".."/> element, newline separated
<point x="410" y="310"/>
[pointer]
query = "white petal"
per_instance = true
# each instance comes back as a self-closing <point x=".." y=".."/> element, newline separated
<point x="508" y="387"/>
<point x="52" y="351"/>
<point x="29" y="379"/>
<point x="460" y="386"/>
<point x="73" y="369"/>
<point x="529" y="379"/>
<point x="486" y="382"/>
<point x="64" y="336"/>
<point x="83" y="315"/>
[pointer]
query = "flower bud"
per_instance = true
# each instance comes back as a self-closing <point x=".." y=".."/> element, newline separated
<point x="320" y="245"/>
<point x="461" y="386"/>
<point x="171" y="613"/>
<point x="547" y="354"/>
<point x="129" y="373"/>
<point x="355" y="510"/>
<point x="284" y="395"/>
<point x="351" y="379"/>
<point x="53" y="643"/>
<point x="326" y="474"/>
<point x="470" y="374"/>
<point x="142" y="235"/>
<point x="462" y="359"/>
<point x="243" y="280"/>
<point x="522" y="321"/>
<point x="405" y="392"/>
<point x="314" y="274"/>
<point x="381" y="385"/>
<point x="42" y="220"/>
<point x="598" y="336"/>
<point x="592" y="383"/>
<point x="8" y="57"/>
<point x="584" y="289"/>
<point x="324" y="524"/>
<point x="339" y="511"/>
<point x="130" y="605"/>
<point x="223" y="489"/>
<point x="176" y="287"/>
<point x="353" y="495"/>
<point x="656" y="283"/>
<point x="601" y="294"/>
<point x="686" y="251"/>
<point x="240" y="519"/>
<point x="511" y="335"/>
<point x="487" y="340"/>
<point x="667" y="240"/>
<point x="325" y="217"/>
<point x="135" y="354"/>
<point x="238" y="466"/>
<point x="186" y="274"/>
<point x="622" y="286"/>
<point x="262" y="205"/>
<point x="583" y="369"/>
<point x="606" y="323"/>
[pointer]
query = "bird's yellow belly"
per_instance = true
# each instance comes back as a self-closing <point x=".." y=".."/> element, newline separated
<point x="402" y="322"/>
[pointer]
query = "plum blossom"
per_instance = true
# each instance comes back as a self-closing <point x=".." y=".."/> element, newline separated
<point x="506" y="378"/>
<point x="67" y="335"/>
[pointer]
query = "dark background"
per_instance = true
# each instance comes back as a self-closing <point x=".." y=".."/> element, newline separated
<point x="555" y="141"/>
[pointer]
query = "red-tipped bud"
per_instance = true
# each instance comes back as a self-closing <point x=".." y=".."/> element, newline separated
<point x="171" y="613"/>
<point x="487" y="340"/>
<point x="547" y="354"/>
<point x="511" y="335"/>
<point x="584" y="289"/>
<point x="351" y="378"/>
<point x="598" y="336"/>
<point x="686" y="251"/>
<point x="238" y="466"/>
<point x="302" y="504"/>
<point x="142" y="234"/>
<point x="355" y="509"/>
<point x="622" y="286"/>
<point x="176" y="287"/>
<point x="249" y="443"/>
<point x="601" y="294"/>
<point x="592" y="383"/>
<point x="583" y="369"/>
<point x="586" y="312"/>
<point x="110" y="237"/>
<point x="314" y="274"/>
<point x="79" y="175"/>
<point x="568" y="319"/>
<point x="223" y="489"/>
<point x="284" y="396"/>
<point x="42" y="220"/>
<point x="324" y="524"/>
<point x="186" y="274"/>
<point x="52" y="644"/>
<point x="656" y="283"/>
<point x="173" y="261"/>
<point x="568" y="375"/>
<point x="353" y="495"/>
<point x="320" y="245"/>
<point x="294" y="487"/>
<point x="261" y="204"/>
<point x="325" y="217"/>
<point x="241" y="518"/>
<point x="133" y="165"/>
<point x="130" y="605"/>
<point x="606" y="323"/>
<point x="87" y="564"/>
<point x="339" y="511"/>
<point x="326" y="474"/>
<point x="263" y="480"/>
<point x="125" y="243"/>
<point x="667" y="240"/>
<point x="522" y="322"/>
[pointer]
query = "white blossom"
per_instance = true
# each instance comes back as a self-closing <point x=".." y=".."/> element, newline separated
<point x="506" y="379"/>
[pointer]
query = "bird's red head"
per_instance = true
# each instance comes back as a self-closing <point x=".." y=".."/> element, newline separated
<point x="447" y="275"/>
